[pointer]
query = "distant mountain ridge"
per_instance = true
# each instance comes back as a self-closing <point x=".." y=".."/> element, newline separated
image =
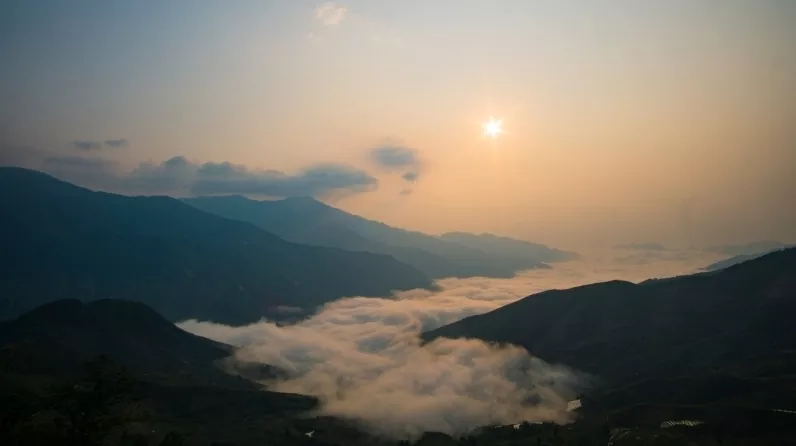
<point x="505" y="246"/>
<point x="308" y="221"/>
<point x="64" y="241"/>
<point x="740" y="258"/>
<point x="751" y="248"/>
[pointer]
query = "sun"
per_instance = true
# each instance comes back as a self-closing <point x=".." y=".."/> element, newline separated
<point x="493" y="128"/>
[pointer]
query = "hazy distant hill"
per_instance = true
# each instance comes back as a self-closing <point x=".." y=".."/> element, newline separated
<point x="306" y="220"/>
<point x="751" y="248"/>
<point x="509" y="247"/>
<point x="721" y="264"/>
<point x="665" y="336"/>
<point x="63" y="241"/>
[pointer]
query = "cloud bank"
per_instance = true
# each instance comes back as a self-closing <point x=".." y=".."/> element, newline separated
<point x="362" y="356"/>
<point x="180" y="176"/>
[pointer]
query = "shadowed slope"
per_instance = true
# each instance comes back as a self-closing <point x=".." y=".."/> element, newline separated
<point x="63" y="241"/>
<point x="735" y="322"/>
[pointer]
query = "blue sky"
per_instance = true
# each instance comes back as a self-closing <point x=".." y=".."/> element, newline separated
<point x="615" y="113"/>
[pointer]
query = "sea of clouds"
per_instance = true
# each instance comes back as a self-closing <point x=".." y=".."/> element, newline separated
<point x="362" y="357"/>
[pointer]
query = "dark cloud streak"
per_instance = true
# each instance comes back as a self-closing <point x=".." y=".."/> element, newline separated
<point x="180" y="176"/>
<point x="394" y="156"/>
<point x="398" y="157"/>
<point x="314" y="181"/>
<point x="117" y="143"/>
<point x="410" y="176"/>
<point x="87" y="145"/>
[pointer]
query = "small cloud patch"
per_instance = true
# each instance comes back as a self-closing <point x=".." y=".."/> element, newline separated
<point x="330" y="13"/>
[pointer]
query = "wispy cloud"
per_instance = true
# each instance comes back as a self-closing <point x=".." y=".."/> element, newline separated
<point x="410" y="176"/>
<point x="89" y="145"/>
<point x="397" y="157"/>
<point x="317" y="180"/>
<point x="121" y="142"/>
<point x="394" y="156"/>
<point x="330" y="13"/>
<point x="180" y="176"/>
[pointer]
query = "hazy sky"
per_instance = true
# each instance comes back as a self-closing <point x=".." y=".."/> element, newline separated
<point x="670" y="121"/>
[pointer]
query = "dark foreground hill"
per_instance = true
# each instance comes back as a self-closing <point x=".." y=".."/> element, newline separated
<point x="145" y="375"/>
<point x="62" y="241"/>
<point x="57" y="338"/>
<point x="172" y="394"/>
<point x="308" y="221"/>
<point x="726" y="336"/>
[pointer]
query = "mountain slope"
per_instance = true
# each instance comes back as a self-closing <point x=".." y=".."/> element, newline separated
<point x="63" y="241"/>
<point x="58" y="337"/>
<point x="734" y="322"/>
<point x="509" y="247"/>
<point x="176" y="381"/>
<point x="305" y="220"/>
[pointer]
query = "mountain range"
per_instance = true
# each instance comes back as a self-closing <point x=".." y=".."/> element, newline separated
<point x="63" y="241"/>
<point x="225" y="259"/>
<point x="308" y="221"/>
<point x="717" y="347"/>
<point x="87" y="275"/>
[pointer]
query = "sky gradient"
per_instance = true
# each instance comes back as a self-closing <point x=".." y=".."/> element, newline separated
<point x="624" y="121"/>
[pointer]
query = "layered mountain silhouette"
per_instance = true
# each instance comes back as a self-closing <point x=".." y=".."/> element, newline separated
<point x="63" y="241"/>
<point x="308" y="221"/>
<point x="725" y="335"/>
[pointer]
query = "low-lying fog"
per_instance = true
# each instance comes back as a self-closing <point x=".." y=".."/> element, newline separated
<point x="362" y="356"/>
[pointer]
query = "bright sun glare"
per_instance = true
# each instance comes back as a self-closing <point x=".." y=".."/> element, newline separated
<point x="493" y="128"/>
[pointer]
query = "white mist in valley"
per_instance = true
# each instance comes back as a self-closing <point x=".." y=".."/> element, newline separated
<point x="363" y="359"/>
